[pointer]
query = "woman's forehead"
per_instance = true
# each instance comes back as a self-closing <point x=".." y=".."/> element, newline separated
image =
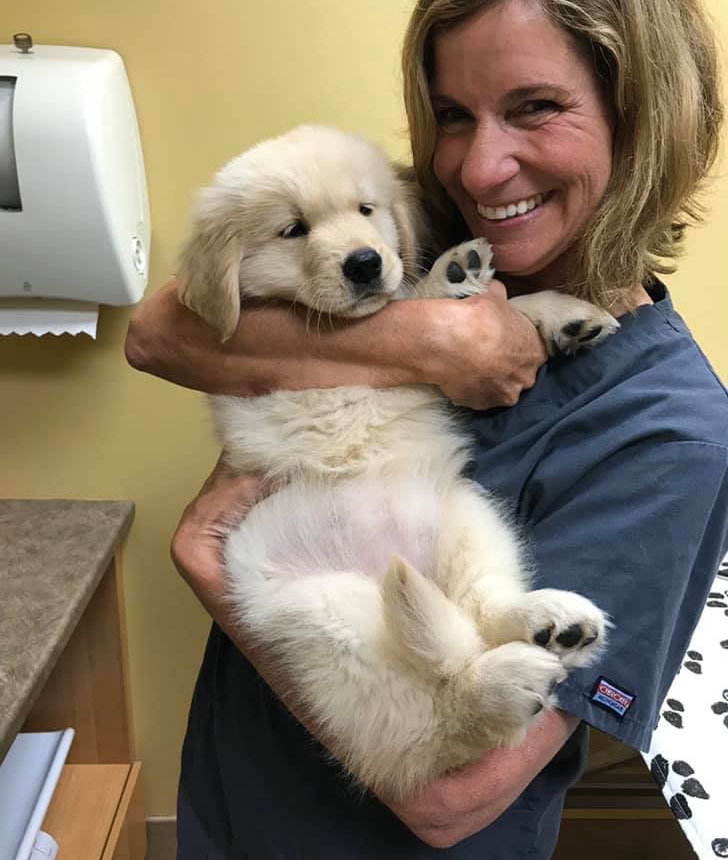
<point x="504" y="46"/>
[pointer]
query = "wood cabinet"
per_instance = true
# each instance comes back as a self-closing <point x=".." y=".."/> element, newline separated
<point x="63" y="645"/>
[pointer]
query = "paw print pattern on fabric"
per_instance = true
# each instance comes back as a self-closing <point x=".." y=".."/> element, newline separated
<point x="718" y="599"/>
<point x="720" y="847"/>
<point x="721" y="708"/>
<point x="692" y="787"/>
<point x="692" y="664"/>
<point x="674" y="713"/>
<point x="686" y="756"/>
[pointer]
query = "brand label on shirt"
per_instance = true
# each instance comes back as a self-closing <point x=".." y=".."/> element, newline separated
<point x="612" y="698"/>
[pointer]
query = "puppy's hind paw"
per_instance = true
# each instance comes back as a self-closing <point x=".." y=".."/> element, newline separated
<point x="566" y="624"/>
<point x="512" y="684"/>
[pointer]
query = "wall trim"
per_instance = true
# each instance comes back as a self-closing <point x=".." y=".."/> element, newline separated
<point x="162" y="838"/>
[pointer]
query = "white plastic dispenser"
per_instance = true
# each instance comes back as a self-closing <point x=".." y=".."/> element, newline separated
<point x="74" y="211"/>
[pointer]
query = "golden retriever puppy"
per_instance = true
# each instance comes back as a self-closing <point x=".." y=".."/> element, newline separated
<point x="390" y="588"/>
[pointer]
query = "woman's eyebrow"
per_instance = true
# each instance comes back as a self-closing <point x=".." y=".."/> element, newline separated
<point x="533" y="90"/>
<point x="528" y="91"/>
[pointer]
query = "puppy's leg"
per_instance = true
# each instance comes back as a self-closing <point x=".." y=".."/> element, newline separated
<point x="565" y="322"/>
<point x="480" y="700"/>
<point x="480" y="567"/>
<point x="377" y="713"/>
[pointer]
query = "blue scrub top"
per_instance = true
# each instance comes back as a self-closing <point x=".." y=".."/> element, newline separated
<point x="615" y="466"/>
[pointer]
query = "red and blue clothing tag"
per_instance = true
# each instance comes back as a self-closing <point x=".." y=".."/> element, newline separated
<point x="612" y="698"/>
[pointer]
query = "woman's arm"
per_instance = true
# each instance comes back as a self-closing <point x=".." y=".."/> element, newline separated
<point x="479" y="351"/>
<point x="448" y="810"/>
<point x="463" y="803"/>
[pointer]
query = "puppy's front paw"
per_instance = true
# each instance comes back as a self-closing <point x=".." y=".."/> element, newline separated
<point x="463" y="270"/>
<point x="565" y="623"/>
<point x="565" y="322"/>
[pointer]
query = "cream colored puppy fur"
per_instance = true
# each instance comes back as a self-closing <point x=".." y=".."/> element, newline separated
<point x="390" y="590"/>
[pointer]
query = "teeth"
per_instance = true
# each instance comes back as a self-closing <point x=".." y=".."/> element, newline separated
<point x="500" y="213"/>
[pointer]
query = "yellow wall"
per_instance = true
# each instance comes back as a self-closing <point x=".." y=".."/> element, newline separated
<point x="208" y="80"/>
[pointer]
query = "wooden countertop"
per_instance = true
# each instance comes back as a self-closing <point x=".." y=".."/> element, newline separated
<point x="53" y="554"/>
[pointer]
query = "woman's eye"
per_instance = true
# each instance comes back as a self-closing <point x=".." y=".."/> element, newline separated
<point x="452" y="119"/>
<point x="539" y="107"/>
<point x="294" y="230"/>
<point x="366" y="209"/>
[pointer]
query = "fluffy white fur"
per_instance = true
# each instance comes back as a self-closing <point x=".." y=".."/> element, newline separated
<point x="389" y="588"/>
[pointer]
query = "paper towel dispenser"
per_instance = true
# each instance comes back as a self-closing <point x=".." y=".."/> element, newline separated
<point x="74" y="212"/>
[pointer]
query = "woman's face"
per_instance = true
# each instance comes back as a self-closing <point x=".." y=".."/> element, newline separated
<point x="524" y="142"/>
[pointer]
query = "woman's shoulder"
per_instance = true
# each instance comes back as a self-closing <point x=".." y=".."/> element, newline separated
<point x="647" y="385"/>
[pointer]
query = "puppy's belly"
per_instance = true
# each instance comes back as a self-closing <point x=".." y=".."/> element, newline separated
<point x="353" y="526"/>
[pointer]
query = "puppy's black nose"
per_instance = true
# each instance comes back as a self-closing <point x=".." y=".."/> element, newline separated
<point x="363" y="266"/>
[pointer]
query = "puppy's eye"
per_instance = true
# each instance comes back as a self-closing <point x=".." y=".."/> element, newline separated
<point x="294" y="230"/>
<point x="366" y="208"/>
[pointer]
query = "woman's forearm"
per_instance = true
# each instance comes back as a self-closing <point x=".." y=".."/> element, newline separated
<point x="479" y="351"/>
<point x="276" y="348"/>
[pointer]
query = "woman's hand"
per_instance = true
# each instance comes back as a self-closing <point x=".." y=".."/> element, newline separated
<point x="486" y="353"/>
<point x="222" y="502"/>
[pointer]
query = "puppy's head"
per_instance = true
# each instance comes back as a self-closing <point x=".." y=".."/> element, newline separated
<point x="315" y="216"/>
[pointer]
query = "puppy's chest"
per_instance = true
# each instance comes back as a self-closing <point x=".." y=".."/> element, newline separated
<point x="330" y="433"/>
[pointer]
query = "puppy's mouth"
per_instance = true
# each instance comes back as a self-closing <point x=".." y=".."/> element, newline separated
<point x="364" y="292"/>
<point x="363" y="303"/>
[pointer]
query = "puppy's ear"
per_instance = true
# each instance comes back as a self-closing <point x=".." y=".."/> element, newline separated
<point x="410" y="220"/>
<point x="209" y="266"/>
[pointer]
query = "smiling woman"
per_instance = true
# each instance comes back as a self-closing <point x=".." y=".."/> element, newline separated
<point x="611" y="116"/>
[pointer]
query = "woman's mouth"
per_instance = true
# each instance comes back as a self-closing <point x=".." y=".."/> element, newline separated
<point x="514" y="209"/>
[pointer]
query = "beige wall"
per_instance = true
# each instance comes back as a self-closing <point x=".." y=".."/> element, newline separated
<point x="208" y="80"/>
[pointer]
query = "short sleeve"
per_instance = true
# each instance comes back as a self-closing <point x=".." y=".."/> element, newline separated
<point x="642" y="535"/>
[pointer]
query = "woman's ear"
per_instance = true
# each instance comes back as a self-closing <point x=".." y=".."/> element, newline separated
<point x="209" y="265"/>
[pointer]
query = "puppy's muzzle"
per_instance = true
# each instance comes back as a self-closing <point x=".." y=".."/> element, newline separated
<point x="363" y="270"/>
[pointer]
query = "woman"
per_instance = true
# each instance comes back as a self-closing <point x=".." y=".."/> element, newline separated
<point x="600" y="121"/>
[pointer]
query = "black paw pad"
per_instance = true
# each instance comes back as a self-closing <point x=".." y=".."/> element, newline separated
<point x="659" y="768"/>
<point x="572" y="329"/>
<point x="673" y="718"/>
<point x="543" y="637"/>
<point x="591" y="334"/>
<point x="693" y="663"/>
<point x="588" y="641"/>
<point x="570" y="636"/>
<point x="721" y="708"/>
<point x="474" y="261"/>
<point x="693" y="788"/>
<point x="455" y="273"/>
<point x="680" y="808"/>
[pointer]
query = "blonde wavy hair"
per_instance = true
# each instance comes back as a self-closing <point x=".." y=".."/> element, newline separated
<point x="657" y="60"/>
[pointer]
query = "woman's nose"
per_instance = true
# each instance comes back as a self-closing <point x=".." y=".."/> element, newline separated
<point x="490" y="161"/>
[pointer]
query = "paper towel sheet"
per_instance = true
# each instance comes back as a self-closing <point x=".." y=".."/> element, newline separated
<point x="47" y="316"/>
